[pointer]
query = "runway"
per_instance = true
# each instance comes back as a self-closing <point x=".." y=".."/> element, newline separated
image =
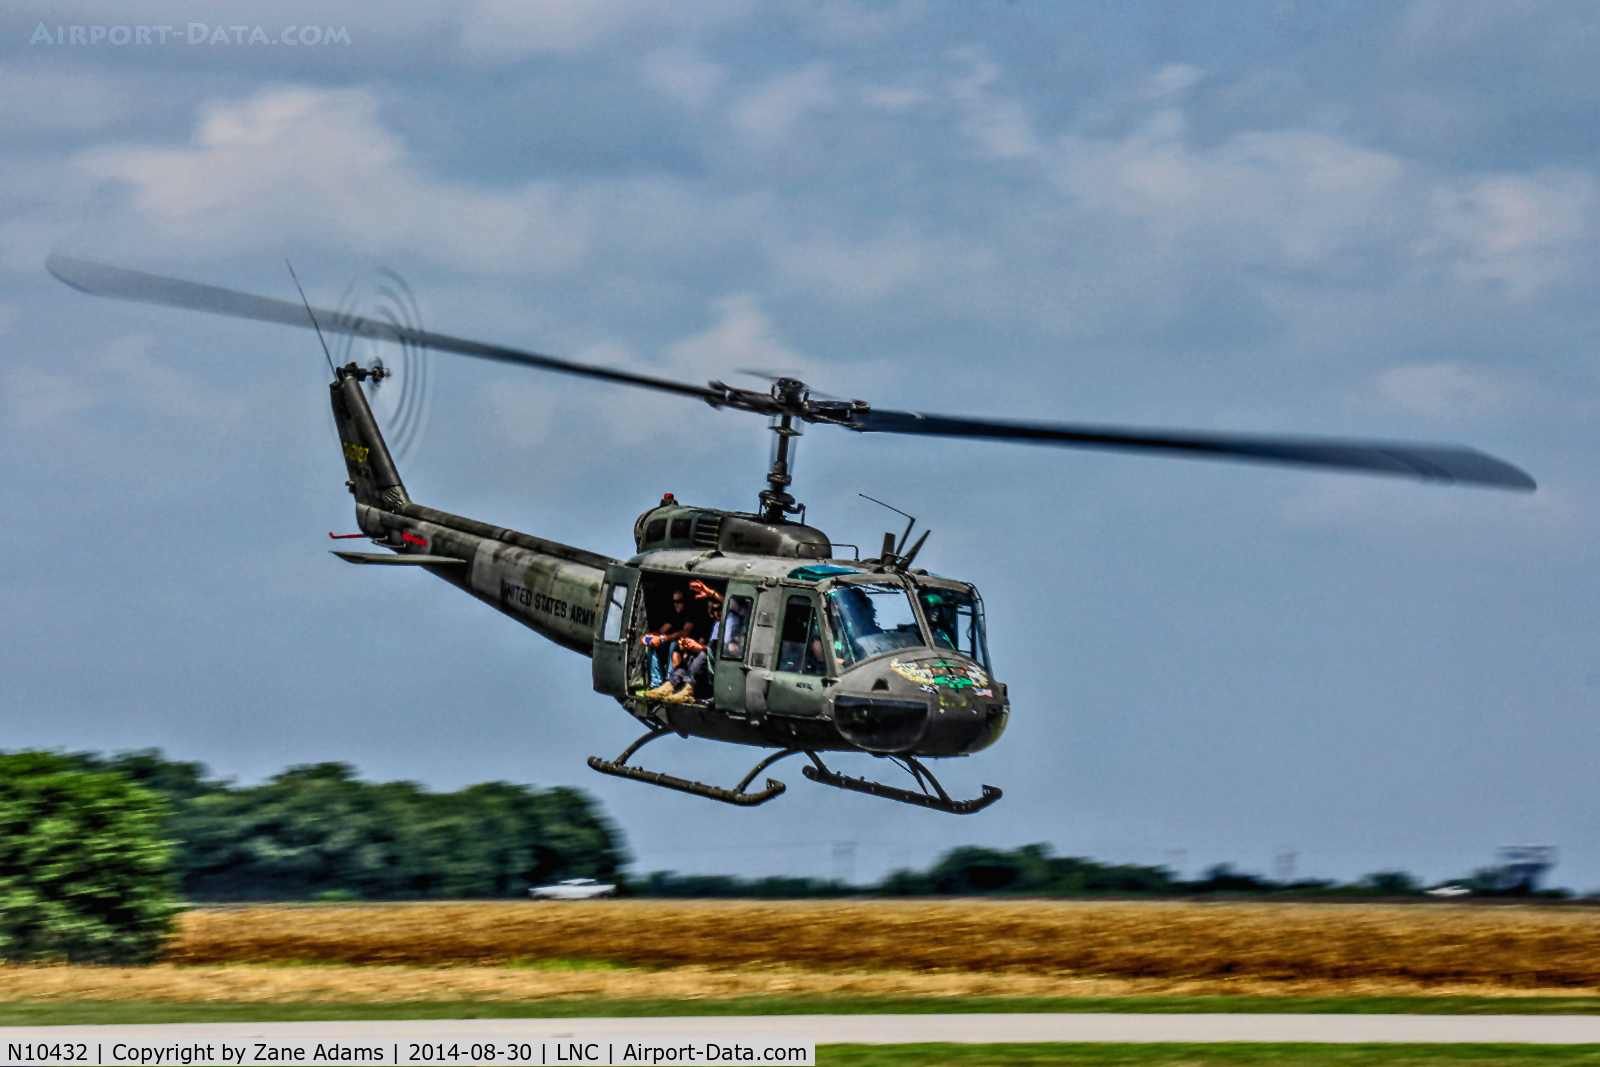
<point x="875" y="1029"/>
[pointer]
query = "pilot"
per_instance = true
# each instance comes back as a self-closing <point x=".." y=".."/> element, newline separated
<point x="942" y="620"/>
<point x="687" y="676"/>
<point x="661" y="644"/>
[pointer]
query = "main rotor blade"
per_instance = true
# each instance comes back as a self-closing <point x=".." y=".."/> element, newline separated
<point x="1437" y="463"/>
<point x="103" y="279"/>
<point x="1441" y="463"/>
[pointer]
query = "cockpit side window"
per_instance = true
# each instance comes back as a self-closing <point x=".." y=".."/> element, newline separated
<point x="871" y="619"/>
<point x="955" y="619"/>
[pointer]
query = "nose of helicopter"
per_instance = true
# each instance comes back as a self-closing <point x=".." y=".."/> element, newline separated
<point x="922" y="702"/>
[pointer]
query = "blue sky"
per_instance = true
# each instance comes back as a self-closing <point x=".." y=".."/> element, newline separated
<point x="1365" y="219"/>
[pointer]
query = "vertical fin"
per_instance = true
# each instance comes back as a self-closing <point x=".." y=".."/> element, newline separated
<point x="373" y="477"/>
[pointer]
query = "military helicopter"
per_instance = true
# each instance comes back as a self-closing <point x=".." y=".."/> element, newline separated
<point x="779" y="642"/>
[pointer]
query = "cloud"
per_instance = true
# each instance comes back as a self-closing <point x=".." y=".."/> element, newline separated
<point x="164" y="391"/>
<point x="40" y="99"/>
<point x="1523" y="232"/>
<point x="867" y="267"/>
<point x="774" y="109"/>
<point x="998" y="124"/>
<point x="1172" y="80"/>
<point x="511" y="28"/>
<point x="686" y="77"/>
<point x="517" y="26"/>
<point x="1441" y="389"/>
<point x="1457" y="520"/>
<point x="894" y="99"/>
<point x="855" y="22"/>
<point x="743" y="337"/>
<point x="123" y="372"/>
<point x="313" y="165"/>
<point x="1282" y="193"/>
<point x="35" y="398"/>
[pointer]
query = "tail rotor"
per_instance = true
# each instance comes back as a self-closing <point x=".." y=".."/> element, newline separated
<point x="400" y="389"/>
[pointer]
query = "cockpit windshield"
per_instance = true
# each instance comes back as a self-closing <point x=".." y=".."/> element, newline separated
<point x="870" y="619"/>
<point x="955" y="618"/>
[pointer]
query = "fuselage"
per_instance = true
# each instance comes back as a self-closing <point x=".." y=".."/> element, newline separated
<point x="800" y="650"/>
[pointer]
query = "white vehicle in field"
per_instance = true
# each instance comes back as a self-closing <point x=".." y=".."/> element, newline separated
<point x="573" y="889"/>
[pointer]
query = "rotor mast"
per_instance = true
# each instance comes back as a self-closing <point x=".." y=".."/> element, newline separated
<point x="777" y="503"/>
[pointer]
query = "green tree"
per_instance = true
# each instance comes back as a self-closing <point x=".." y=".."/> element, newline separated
<point x="83" y="864"/>
<point x="1390" y="884"/>
<point x="315" y="830"/>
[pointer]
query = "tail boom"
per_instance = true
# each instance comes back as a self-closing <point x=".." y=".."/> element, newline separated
<point x="551" y="588"/>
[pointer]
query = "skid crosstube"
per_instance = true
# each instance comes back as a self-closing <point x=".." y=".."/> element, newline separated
<point x="942" y="802"/>
<point x="737" y="795"/>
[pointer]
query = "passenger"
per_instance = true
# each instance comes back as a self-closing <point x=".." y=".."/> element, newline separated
<point x="686" y="677"/>
<point x="661" y="644"/>
<point x="733" y="631"/>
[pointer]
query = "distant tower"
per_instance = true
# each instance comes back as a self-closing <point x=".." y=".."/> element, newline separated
<point x="844" y="862"/>
<point x="1284" y="860"/>
<point x="1524" y="866"/>
<point x="1177" y="860"/>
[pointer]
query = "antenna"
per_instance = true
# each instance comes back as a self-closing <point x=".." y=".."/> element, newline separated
<point x="325" y="353"/>
<point x="903" y="537"/>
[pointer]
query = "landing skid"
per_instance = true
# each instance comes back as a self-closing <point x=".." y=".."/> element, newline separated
<point x="737" y="795"/>
<point x="938" y="800"/>
<point x="942" y="802"/>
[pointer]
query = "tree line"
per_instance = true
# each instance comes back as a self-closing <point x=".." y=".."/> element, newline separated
<point x="318" y="831"/>
<point x="1032" y="870"/>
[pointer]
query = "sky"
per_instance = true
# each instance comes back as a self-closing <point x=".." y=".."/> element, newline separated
<point x="1365" y="219"/>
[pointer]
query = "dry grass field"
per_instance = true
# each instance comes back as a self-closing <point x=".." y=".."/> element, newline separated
<point x="383" y="984"/>
<point x="1026" y="944"/>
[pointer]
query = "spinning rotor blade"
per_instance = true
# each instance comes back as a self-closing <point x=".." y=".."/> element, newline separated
<point x="103" y="279"/>
<point x="1438" y="463"/>
<point x="1441" y="463"/>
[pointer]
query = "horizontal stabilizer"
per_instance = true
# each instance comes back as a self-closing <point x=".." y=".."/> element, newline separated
<point x="393" y="560"/>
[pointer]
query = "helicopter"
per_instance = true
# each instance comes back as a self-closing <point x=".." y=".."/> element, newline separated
<point x="772" y="638"/>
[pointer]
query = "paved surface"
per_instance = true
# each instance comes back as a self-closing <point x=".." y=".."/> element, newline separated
<point x="879" y="1029"/>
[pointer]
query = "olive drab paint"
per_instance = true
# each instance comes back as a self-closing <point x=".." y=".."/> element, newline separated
<point x="597" y="606"/>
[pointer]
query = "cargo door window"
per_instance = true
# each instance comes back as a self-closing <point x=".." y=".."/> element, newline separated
<point x="800" y="643"/>
<point x="611" y="628"/>
<point x="736" y="627"/>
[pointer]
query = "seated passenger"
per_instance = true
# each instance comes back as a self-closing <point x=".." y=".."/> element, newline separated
<point x="733" y="632"/>
<point x="661" y="644"/>
<point x="694" y="670"/>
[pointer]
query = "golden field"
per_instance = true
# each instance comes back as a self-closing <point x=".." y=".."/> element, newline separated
<point x="1023" y="945"/>
<point x="347" y="984"/>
